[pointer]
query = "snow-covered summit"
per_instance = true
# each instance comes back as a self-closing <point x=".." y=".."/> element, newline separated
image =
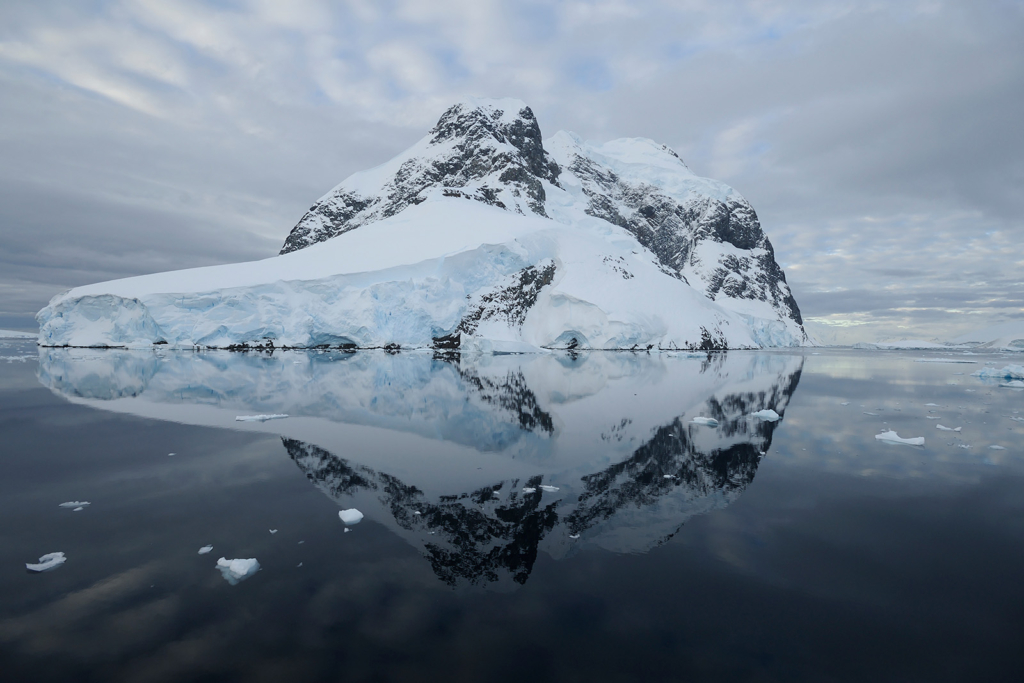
<point x="489" y="151"/>
<point x="478" y="238"/>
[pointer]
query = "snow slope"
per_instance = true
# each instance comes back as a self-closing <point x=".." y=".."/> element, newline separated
<point x="477" y="239"/>
<point x="1007" y="336"/>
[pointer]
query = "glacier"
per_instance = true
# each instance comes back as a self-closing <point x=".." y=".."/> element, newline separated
<point x="483" y="238"/>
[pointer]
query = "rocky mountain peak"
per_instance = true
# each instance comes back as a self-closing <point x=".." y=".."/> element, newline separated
<point x="483" y="150"/>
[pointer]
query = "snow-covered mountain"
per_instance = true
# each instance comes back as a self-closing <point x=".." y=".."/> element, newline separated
<point x="480" y="462"/>
<point x="482" y="236"/>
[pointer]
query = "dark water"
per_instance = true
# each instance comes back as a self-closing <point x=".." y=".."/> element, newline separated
<point x="802" y="549"/>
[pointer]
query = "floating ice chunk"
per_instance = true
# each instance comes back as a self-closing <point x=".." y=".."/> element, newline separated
<point x="948" y="429"/>
<point x="932" y="405"/>
<point x="235" y="571"/>
<point x="969" y="391"/>
<point x="549" y="489"/>
<point x="668" y="476"/>
<point x="529" y="489"/>
<point x="963" y="445"/>
<point x="1013" y="384"/>
<point x="768" y="415"/>
<point x="574" y="536"/>
<point x="417" y="512"/>
<point x="1008" y="372"/>
<point x="996" y="447"/>
<point x="347" y="530"/>
<point x="707" y="421"/>
<point x="79" y="508"/>
<point x="351" y="516"/>
<point x="258" y="418"/>
<point x="298" y="565"/>
<point x="273" y="531"/>
<point x="932" y="417"/>
<point x="205" y="549"/>
<point x="871" y="414"/>
<point x="943" y="360"/>
<point x="47" y="562"/>
<point x="75" y="504"/>
<point x="893" y="437"/>
<point x="845" y="403"/>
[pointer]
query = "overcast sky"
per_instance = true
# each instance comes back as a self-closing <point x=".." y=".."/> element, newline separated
<point x="881" y="143"/>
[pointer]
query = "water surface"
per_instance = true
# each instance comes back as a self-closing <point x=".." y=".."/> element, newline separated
<point x="661" y="549"/>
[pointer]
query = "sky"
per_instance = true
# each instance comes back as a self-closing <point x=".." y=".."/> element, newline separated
<point x="879" y="142"/>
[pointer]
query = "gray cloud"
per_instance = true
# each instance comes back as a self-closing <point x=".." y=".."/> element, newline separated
<point x="876" y="140"/>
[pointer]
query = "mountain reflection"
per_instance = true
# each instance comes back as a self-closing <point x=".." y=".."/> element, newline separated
<point x="483" y="462"/>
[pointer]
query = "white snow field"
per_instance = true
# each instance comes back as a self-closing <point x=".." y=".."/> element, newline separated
<point x="479" y="261"/>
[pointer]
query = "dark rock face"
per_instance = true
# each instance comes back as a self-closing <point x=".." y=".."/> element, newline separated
<point x="673" y="229"/>
<point x="485" y="154"/>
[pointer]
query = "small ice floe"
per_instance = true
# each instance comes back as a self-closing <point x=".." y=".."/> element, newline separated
<point x="235" y="571"/>
<point x="1013" y="384"/>
<point x="347" y="530"/>
<point x="668" y="476"/>
<point x="948" y="429"/>
<point x="258" y="418"/>
<point x="298" y="565"/>
<point x="171" y="455"/>
<point x="963" y="445"/>
<point x="47" y="562"/>
<point x="273" y="531"/>
<point x="996" y="447"/>
<point x="943" y="360"/>
<point x="932" y="417"/>
<point x="893" y="437"/>
<point x="871" y="414"/>
<point x="845" y="403"/>
<point x="932" y="405"/>
<point x="970" y="391"/>
<point x="706" y="421"/>
<point x="76" y="504"/>
<point x="351" y="516"/>
<point x="549" y="489"/>
<point x="529" y="489"/>
<point x="417" y="513"/>
<point x="205" y="549"/>
<point x="574" y="536"/>
<point x="768" y="415"/>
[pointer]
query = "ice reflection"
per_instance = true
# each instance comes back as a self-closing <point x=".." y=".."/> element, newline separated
<point x="480" y="462"/>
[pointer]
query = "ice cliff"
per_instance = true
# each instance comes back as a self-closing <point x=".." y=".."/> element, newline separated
<point x="482" y="237"/>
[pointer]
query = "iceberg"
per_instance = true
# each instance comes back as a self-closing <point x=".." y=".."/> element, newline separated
<point x="236" y="571"/>
<point x="1010" y="372"/>
<point x="47" y="562"/>
<point x="483" y="238"/>
<point x="768" y="415"/>
<point x="350" y="516"/>
<point x="893" y="437"/>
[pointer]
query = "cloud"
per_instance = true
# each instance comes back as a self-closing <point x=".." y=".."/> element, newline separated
<point x="876" y="141"/>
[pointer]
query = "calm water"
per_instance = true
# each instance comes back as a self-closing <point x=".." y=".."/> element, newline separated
<point x="660" y="550"/>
